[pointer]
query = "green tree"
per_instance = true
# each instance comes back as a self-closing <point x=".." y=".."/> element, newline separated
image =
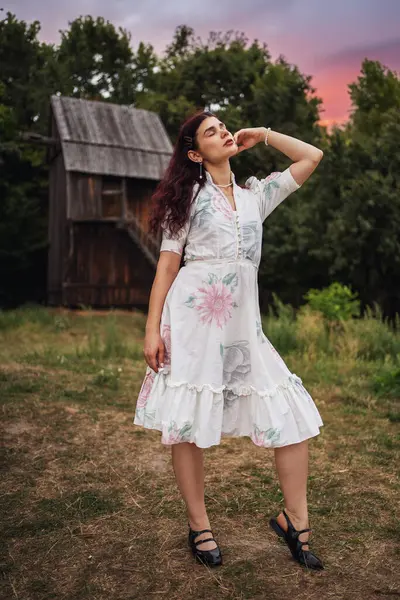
<point x="23" y="215"/>
<point x="376" y="92"/>
<point x="352" y="215"/>
<point x="95" y="60"/>
<point x="342" y="225"/>
<point x="28" y="73"/>
<point x="238" y="80"/>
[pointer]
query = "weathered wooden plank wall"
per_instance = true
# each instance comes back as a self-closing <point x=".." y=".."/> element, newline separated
<point x="100" y="201"/>
<point x="107" y="268"/>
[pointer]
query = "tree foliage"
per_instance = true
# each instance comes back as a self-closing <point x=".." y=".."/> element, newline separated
<point x="341" y="226"/>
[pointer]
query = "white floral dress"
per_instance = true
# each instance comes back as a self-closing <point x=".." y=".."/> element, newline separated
<point x="221" y="375"/>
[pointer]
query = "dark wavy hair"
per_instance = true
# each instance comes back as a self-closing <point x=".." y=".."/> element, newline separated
<point x="172" y="197"/>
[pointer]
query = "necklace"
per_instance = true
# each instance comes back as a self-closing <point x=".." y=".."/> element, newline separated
<point x="224" y="186"/>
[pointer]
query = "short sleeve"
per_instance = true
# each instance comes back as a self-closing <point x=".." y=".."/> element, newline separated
<point x="174" y="243"/>
<point x="272" y="190"/>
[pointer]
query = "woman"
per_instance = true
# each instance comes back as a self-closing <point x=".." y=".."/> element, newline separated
<point x="211" y="371"/>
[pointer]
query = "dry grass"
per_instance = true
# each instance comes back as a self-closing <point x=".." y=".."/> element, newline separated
<point x="91" y="509"/>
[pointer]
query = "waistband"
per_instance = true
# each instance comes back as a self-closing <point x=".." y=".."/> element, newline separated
<point x="240" y="261"/>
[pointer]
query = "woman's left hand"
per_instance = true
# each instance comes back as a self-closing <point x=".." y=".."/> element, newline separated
<point x="249" y="137"/>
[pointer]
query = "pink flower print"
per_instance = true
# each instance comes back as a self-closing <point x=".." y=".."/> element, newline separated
<point x="222" y="205"/>
<point x="176" y="435"/>
<point x="272" y="176"/>
<point x="172" y="438"/>
<point x="166" y="336"/>
<point x="258" y="437"/>
<point x="145" y="389"/>
<point x="216" y="303"/>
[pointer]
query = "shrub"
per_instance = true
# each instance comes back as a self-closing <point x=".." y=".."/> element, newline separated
<point x="387" y="382"/>
<point x="335" y="302"/>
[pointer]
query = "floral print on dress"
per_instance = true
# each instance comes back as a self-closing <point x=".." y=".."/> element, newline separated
<point x="236" y="367"/>
<point x="204" y="211"/>
<point x="177" y="434"/>
<point x="271" y="190"/>
<point x="221" y="205"/>
<point x="225" y="353"/>
<point x="264" y="438"/>
<point x="145" y="389"/>
<point x="229" y="398"/>
<point x="214" y="301"/>
<point x="236" y="362"/>
<point x="271" y="184"/>
<point x="252" y="236"/>
<point x="207" y="205"/>
<point x="272" y="176"/>
<point x="166" y="337"/>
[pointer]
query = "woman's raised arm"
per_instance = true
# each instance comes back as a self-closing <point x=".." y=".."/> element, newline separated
<point x="306" y="157"/>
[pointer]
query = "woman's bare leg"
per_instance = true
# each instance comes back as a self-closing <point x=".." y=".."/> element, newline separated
<point x="188" y="465"/>
<point x="292" y="467"/>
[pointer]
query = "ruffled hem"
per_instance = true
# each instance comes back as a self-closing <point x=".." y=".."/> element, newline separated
<point x="203" y="414"/>
<point x="238" y="390"/>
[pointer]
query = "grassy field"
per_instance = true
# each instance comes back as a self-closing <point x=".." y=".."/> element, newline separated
<point x="90" y="508"/>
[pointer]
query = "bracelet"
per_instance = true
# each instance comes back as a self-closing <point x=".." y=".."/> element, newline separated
<point x="266" y="137"/>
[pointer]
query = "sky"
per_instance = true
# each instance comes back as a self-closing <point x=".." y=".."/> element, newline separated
<point x="325" y="39"/>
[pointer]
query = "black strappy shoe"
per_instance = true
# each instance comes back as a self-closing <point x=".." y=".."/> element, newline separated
<point x="211" y="558"/>
<point x="304" y="557"/>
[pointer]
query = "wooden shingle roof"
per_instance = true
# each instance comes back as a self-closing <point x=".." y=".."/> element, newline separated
<point x="111" y="139"/>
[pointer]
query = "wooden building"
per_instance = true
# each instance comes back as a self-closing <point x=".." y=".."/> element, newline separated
<point x="105" y="162"/>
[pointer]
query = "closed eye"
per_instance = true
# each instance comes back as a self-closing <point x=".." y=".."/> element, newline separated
<point x="211" y="130"/>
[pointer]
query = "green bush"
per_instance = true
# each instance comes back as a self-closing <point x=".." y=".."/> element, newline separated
<point x="387" y="382"/>
<point x="335" y="302"/>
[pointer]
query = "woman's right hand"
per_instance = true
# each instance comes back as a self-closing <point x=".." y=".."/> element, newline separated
<point x="154" y="350"/>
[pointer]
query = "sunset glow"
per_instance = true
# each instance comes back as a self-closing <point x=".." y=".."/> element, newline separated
<point x="328" y="41"/>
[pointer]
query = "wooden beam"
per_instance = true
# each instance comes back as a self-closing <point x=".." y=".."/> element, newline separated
<point x="124" y="199"/>
<point x="37" y="138"/>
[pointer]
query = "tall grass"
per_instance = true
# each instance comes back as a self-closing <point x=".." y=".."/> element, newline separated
<point x="33" y="314"/>
<point x="367" y="347"/>
<point x="307" y="332"/>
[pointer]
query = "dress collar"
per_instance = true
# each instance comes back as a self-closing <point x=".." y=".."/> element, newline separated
<point x="210" y="179"/>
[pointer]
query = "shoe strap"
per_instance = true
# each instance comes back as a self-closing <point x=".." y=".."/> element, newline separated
<point x="304" y="530"/>
<point x="200" y="531"/>
<point x="202" y="541"/>
<point x="298" y="532"/>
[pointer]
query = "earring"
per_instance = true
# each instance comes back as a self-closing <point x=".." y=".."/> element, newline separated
<point x="201" y="170"/>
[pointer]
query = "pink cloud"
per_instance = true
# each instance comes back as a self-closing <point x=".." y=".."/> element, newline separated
<point x="333" y="74"/>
